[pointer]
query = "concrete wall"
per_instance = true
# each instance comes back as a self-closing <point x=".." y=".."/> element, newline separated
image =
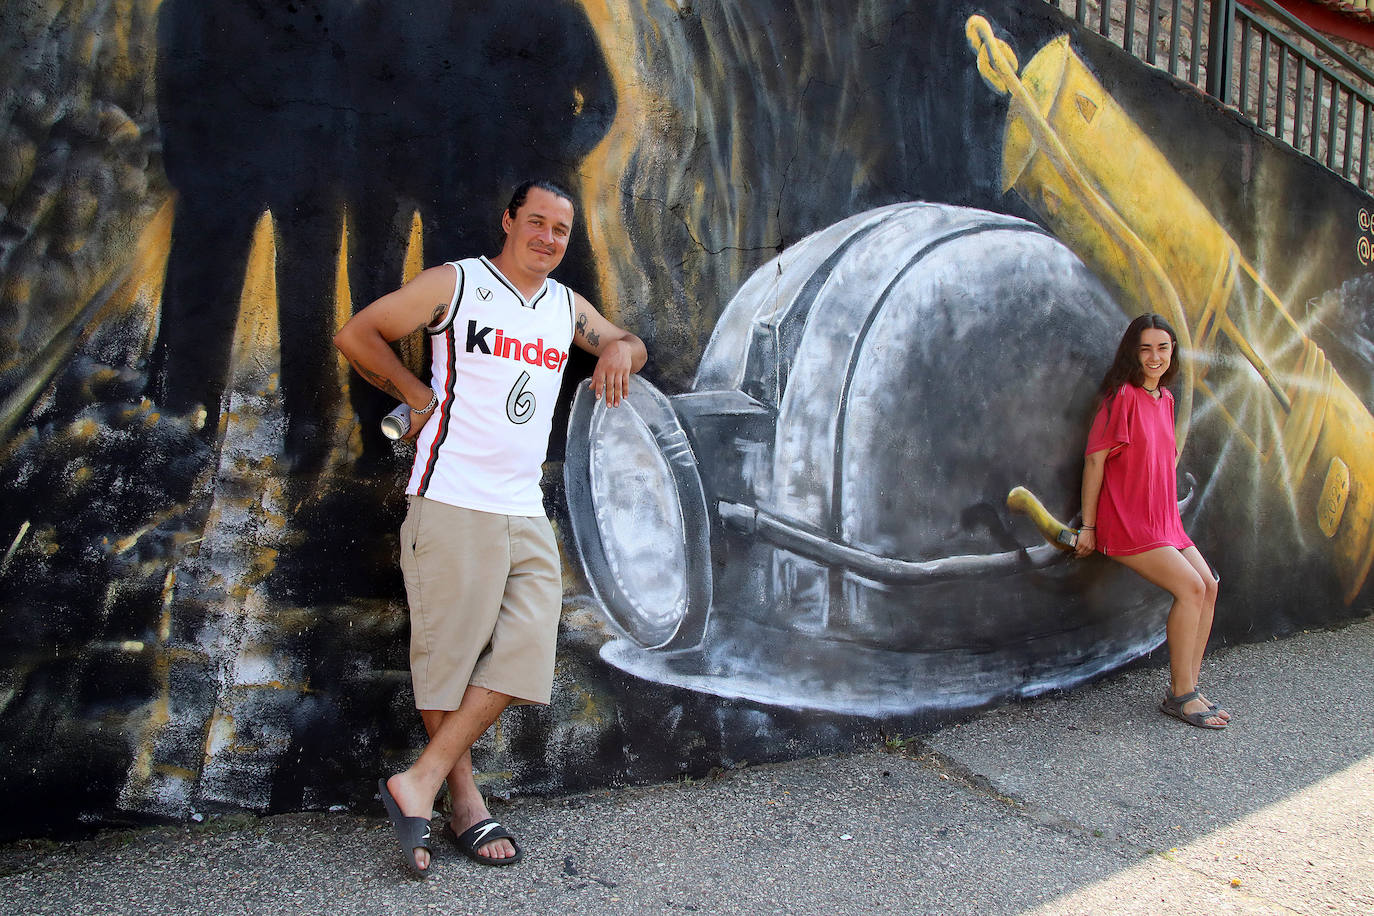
<point x="878" y="281"/>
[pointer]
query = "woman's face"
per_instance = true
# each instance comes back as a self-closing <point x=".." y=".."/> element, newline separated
<point x="1156" y="350"/>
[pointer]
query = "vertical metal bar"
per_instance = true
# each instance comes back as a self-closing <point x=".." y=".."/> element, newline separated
<point x="1364" y="146"/>
<point x="1196" y="62"/>
<point x="1349" y="132"/>
<point x="1331" y="115"/>
<point x="1262" y="103"/>
<point x="1219" y="51"/>
<point x="1151" y="32"/>
<point x="1316" y="112"/>
<point x="1104" y="27"/>
<point x="1281" y="96"/>
<point x="1080" y="12"/>
<point x="1246" y="40"/>
<point x="1128" y="39"/>
<point x="1298" y="105"/>
<point x="1174" y="23"/>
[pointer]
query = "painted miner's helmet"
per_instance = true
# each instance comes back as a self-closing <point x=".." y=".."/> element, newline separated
<point x="821" y="521"/>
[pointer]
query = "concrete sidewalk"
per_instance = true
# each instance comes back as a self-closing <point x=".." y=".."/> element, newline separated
<point x="1091" y="802"/>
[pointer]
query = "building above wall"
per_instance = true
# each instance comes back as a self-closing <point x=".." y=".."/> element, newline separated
<point x="1352" y="20"/>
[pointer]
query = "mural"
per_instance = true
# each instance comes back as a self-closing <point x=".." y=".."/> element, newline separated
<point x="879" y="263"/>
<point x="841" y="446"/>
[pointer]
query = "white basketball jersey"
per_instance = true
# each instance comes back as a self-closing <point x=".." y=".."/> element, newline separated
<point x="497" y="365"/>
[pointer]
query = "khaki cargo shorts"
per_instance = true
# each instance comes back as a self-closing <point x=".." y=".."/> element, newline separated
<point x="485" y="592"/>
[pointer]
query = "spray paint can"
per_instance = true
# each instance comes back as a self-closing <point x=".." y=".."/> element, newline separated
<point x="397" y="423"/>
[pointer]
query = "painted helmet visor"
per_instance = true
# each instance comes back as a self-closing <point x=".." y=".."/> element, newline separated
<point x="639" y="516"/>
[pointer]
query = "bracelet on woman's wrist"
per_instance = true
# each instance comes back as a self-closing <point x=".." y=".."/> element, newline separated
<point x="1087" y="527"/>
<point x="433" y="403"/>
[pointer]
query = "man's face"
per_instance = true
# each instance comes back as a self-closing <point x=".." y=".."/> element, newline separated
<point x="537" y="236"/>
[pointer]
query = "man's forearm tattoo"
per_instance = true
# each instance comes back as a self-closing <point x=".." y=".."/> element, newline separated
<point x="590" y="336"/>
<point x="379" y="381"/>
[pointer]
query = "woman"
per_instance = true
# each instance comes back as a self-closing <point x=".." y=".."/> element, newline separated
<point x="1130" y="505"/>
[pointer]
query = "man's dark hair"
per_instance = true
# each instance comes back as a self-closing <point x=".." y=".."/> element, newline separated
<point x="517" y="200"/>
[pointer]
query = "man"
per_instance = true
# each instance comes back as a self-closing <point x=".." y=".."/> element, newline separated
<point x="478" y="554"/>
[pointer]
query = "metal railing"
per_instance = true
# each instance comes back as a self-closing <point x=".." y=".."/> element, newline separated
<point x="1290" y="81"/>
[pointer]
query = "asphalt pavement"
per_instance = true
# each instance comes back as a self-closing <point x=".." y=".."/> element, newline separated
<point x="1090" y="801"/>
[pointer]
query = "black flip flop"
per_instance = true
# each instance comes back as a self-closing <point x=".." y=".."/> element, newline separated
<point x="411" y="832"/>
<point x="480" y="834"/>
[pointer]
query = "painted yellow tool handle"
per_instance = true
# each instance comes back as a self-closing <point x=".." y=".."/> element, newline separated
<point x="1024" y="502"/>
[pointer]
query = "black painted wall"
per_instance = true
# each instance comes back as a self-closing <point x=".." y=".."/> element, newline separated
<point x="201" y="609"/>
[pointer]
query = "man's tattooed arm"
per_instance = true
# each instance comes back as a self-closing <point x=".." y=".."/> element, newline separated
<point x="592" y="338"/>
<point x="379" y="381"/>
<point x="433" y="319"/>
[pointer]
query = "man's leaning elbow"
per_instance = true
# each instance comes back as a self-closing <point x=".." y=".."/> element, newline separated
<point x="341" y="340"/>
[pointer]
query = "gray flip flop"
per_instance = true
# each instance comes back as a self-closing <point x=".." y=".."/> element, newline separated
<point x="1173" y="706"/>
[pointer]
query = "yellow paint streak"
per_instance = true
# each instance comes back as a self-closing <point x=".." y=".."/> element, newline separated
<point x="343" y="298"/>
<point x="605" y="165"/>
<point x="344" y="441"/>
<point x="220" y="735"/>
<point x="125" y="59"/>
<point x="144" y="285"/>
<point x="269" y="685"/>
<point x="123" y="544"/>
<point x="412" y="346"/>
<point x="169" y="591"/>
<point x="415" y="250"/>
<point x="256" y="333"/>
<point x="159" y="714"/>
<point x="14" y="545"/>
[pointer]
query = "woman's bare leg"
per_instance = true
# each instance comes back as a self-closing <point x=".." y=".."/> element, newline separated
<point x="1175" y="573"/>
<point x="1209" y="605"/>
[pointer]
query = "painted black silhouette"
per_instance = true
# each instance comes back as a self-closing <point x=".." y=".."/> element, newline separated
<point x="314" y="108"/>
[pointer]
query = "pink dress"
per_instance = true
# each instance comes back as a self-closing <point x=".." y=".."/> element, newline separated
<point x="1137" y="509"/>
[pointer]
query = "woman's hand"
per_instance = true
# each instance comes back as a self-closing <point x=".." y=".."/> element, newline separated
<point x="1087" y="542"/>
